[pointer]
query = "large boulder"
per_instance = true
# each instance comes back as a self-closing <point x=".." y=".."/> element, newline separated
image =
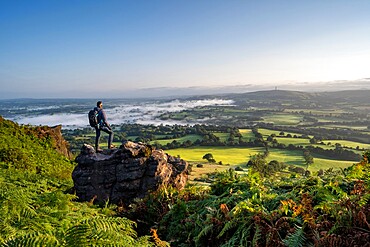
<point x="120" y="175"/>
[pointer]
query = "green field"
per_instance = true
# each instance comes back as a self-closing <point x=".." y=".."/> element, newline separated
<point x="337" y="126"/>
<point x="247" y="134"/>
<point x="83" y="138"/>
<point x="228" y="155"/>
<point x="332" y="112"/>
<point x="241" y="155"/>
<point x="267" y="132"/>
<point x="322" y="163"/>
<point x="192" y="138"/>
<point x="131" y="138"/>
<point x="223" y="136"/>
<point x="282" y="119"/>
<point x="294" y="141"/>
<point x="350" y="144"/>
<point x="201" y="172"/>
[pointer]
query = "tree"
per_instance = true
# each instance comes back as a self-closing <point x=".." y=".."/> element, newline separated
<point x="308" y="158"/>
<point x="313" y="140"/>
<point x="209" y="158"/>
<point x="270" y="139"/>
<point x="338" y="146"/>
<point x="276" y="166"/>
<point x="258" y="163"/>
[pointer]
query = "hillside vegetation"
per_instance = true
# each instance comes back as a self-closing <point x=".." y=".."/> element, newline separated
<point x="265" y="209"/>
<point x="35" y="208"/>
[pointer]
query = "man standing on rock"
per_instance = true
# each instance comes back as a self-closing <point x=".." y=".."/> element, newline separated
<point x="102" y="125"/>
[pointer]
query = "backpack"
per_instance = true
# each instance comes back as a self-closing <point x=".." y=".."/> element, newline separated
<point x="93" y="118"/>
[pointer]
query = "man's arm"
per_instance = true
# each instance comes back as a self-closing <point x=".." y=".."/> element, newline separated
<point x="104" y="118"/>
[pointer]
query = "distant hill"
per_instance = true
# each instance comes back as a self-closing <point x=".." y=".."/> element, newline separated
<point x="273" y="95"/>
<point x="281" y="96"/>
<point x="178" y="92"/>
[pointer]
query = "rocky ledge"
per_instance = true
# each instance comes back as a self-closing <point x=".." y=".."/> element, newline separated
<point x="128" y="172"/>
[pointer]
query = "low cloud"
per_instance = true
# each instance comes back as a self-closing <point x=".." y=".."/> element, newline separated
<point x="141" y="112"/>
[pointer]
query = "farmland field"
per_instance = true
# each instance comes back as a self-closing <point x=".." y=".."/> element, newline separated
<point x="267" y="132"/>
<point x="241" y="155"/>
<point x="192" y="138"/>
<point x="222" y="136"/>
<point x="282" y="119"/>
<point x="246" y="134"/>
<point x="294" y="141"/>
<point x="350" y="144"/>
<point x="228" y="155"/>
<point x="337" y="126"/>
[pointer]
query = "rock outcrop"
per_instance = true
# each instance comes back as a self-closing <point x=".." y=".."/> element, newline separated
<point x="55" y="134"/>
<point x="131" y="171"/>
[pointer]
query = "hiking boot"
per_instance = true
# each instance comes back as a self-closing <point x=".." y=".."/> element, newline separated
<point x="112" y="146"/>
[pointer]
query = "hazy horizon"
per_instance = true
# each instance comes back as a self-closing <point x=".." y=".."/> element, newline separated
<point x="102" y="49"/>
<point x="178" y="92"/>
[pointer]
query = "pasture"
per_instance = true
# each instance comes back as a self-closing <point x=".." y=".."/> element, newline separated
<point x="192" y="138"/>
<point x="267" y="132"/>
<point x="241" y="155"/>
<point x="246" y="134"/>
<point x="283" y="119"/>
<point x="350" y="144"/>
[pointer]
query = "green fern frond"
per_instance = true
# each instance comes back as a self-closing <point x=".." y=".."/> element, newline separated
<point x="144" y="241"/>
<point x="228" y="226"/>
<point x="244" y="233"/>
<point x="78" y="235"/>
<point x="231" y="242"/>
<point x="296" y="239"/>
<point x="31" y="240"/>
<point x="28" y="212"/>
<point x="364" y="200"/>
<point x="6" y="231"/>
<point x="257" y="236"/>
<point x="102" y="231"/>
<point x="113" y="224"/>
<point x="205" y="231"/>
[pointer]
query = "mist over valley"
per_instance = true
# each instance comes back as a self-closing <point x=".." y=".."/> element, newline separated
<point x="72" y="113"/>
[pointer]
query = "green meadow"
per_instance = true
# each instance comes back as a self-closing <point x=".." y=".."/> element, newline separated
<point x="240" y="156"/>
<point x="246" y="134"/>
<point x="192" y="138"/>
<point x="223" y="136"/>
<point x="228" y="155"/>
<point x="330" y="112"/>
<point x="282" y="119"/>
<point x="350" y="144"/>
<point x="324" y="163"/>
<point x="267" y="132"/>
<point x="294" y="141"/>
<point x="338" y="126"/>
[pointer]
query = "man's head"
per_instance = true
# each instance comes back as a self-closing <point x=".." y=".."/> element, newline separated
<point x="99" y="104"/>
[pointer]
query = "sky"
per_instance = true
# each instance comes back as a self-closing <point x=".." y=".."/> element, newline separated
<point x="78" y="48"/>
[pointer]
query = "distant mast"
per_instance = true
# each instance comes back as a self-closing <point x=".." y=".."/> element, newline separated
<point x="275" y="88"/>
